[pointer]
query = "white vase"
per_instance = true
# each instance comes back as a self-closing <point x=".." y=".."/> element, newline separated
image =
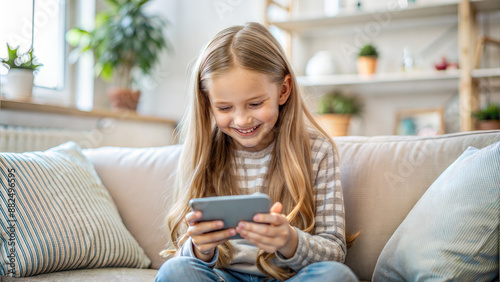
<point x="332" y="7"/>
<point x="19" y="84"/>
<point x="322" y="63"/>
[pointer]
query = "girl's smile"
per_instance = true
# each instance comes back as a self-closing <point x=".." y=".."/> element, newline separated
<point x="247" y="132"/>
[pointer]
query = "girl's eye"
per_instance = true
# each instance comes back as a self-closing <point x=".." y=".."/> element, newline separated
<point x="256" y="104"/>
<point x="224" y="109"/>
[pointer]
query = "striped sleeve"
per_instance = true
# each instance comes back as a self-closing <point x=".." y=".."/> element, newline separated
<point x="328" y="242"/>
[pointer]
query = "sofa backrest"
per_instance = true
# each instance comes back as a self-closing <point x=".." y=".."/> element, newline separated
<point x="382" y="177"/>
<point x="141" y="182"/>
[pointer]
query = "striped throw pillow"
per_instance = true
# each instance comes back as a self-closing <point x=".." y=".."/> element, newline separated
<point x="56" y="215"/>
<point x="451" y="234"/>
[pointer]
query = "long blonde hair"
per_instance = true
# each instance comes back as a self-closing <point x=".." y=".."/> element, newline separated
<point x="205" y="167"/>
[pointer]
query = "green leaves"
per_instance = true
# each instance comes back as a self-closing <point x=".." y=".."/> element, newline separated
<point x="491" y="112"/>
<point x="19" y="60"/>
<point x="368" y="50"/>
<point x="125" y="38"/>
<point x="340" y="104"/>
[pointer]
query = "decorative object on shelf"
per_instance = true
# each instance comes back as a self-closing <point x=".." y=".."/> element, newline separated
<point x="22" y="67"/>
<point x="404" y="3"/>
<point x="421" y="122"/>
<point x="407" y="60"/>
<point x="331" y="7"/>
<point x="321" y="64"/>
<point x="124" y="98"/>
<point x="488" y="117"/>
<point x="442" y="65"/>
<point x="335" y="113"/>
<point x="125" y="40"/>
<point x="367" y="60"/>
<point x="353" y="5"/>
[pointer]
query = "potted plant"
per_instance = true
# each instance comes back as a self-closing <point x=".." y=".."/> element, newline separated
<point x="125" y="43"/>
<point x="367" y="60"/>
<point x="488" y="118"/>
<point x="20" y="77"/>
<point x="335" y="113"/>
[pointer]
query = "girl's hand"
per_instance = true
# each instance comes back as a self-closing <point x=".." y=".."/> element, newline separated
<point x="271" y="232"/>
<point x="204" y="237"/>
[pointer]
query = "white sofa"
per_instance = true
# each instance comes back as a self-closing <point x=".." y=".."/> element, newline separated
<point x="382" y="177"/>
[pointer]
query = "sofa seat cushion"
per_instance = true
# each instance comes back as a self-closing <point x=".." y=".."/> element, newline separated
<point x="98" y="274"/>
<point x="384" y="176"/>
<point x="56" y="215"/>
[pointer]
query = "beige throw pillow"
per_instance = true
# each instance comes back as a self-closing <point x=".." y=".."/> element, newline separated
<point x="56" y="215"/>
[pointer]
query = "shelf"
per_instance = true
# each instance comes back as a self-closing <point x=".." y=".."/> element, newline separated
<point x="56" y="109"/>
<point x="346" y="18"/>
<point x="485" y="5"/>
<point x="354" y="79"/>
<point x="412" y="11"/>
<point x="483" y="73"/>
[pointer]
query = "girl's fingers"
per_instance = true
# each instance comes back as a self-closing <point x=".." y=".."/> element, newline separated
<point x="192" y="217"/>
<point x="264" y="239"/>
<point x="204" y="227"/>
<point x="270" y="218"/>
<point x="211" y="238"/>
<point x="264" y="230"/>
<point x="276" y="208"/>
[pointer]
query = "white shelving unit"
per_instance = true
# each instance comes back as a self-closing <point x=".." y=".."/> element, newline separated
<point x="301" y="24"/>
<point x="484" y="73"/>
<point x="353" y="79"/>
<point x="347" y="18"/>
<point x="465" y="77"/>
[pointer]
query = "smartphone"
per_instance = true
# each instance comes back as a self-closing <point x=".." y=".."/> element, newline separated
<point x="231" y="209"/>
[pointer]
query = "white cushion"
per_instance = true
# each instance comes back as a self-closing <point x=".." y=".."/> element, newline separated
<point x="384" y="176"/>
<point x="57" y="215"/>
<point x="452" y="231"/>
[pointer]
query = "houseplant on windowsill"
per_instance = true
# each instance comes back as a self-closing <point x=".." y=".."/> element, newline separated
<point x="126" y="43"/>
<point x="22" y="67"/>
<point x="488" y="117"/>
<point x="367" y="60"/>
<point x="336" y="111"/>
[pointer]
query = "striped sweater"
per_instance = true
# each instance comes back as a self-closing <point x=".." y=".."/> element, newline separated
<point x="328" y="241"/>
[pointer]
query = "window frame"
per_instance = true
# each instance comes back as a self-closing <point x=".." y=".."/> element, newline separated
<point x="61" y="95"/>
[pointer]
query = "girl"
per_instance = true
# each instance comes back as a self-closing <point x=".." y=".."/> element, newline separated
<point x="247" y="130"/>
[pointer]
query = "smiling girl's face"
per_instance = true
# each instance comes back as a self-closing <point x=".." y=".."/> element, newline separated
<point x="245" y="105"/>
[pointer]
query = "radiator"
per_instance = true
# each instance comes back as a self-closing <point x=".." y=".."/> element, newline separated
<point x="23" y="139"/>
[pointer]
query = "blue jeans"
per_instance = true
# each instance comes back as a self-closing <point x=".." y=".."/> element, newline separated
<point x="193" y="269"/>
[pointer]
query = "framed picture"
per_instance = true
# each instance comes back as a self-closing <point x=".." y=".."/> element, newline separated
<point x="421" y="122"/>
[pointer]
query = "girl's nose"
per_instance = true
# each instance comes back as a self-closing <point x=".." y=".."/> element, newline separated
<point x="242" y="119"/>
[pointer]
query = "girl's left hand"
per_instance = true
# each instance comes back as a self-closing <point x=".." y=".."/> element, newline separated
<point x="270" y="232"/>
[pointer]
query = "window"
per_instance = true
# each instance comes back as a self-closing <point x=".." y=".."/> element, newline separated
<point x="47" y="37"/>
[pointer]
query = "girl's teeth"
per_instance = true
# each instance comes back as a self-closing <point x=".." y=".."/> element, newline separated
<point x="247" y="131"/>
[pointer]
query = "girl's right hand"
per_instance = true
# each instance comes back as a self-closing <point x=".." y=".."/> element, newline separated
<point x="204" y="237"/>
